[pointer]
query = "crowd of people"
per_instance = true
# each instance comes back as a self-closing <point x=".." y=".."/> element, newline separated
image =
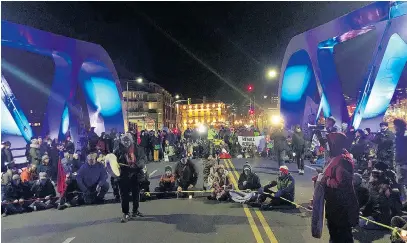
<point x="364" y="173"/>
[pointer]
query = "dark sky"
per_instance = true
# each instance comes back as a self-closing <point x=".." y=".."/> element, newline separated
<point x="239" y="40"/>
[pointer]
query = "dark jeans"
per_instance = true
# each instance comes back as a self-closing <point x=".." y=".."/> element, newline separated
<point x="129" y="184"/>
<point x="16" y="208"/>
<point x="280" y="154"/>
<point x="299" y="157"/>
<point x="93" y="195"/>
<point x="340" y="234"/>
<point x="115" y="186"/>
<point x="43" y="204"/>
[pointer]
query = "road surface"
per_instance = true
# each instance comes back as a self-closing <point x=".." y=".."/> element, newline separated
<point x="179" y="220"/>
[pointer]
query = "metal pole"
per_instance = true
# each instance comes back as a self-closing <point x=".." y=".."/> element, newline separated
<point x="127" y="104"/>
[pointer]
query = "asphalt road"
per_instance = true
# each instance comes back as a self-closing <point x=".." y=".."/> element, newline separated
<point x="179" y="220"/>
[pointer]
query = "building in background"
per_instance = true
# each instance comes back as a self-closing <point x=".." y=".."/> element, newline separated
<point x="192" y="115"/>
<point x="149" y="106"/>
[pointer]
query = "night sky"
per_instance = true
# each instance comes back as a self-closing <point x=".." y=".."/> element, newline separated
<point x="238" y="40"/>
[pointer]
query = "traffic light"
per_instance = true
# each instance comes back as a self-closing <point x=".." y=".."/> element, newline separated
<point x="250" y="88"/>
<point x="251" y="111"/>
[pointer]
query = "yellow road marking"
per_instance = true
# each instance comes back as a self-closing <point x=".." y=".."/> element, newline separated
<point x="263" y="221"/>
<point x="249" y="216"/>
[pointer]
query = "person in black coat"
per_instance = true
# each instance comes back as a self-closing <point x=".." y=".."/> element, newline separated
<point x="298" y="144"/>
<point x="186" y="174"/>
<point x="360" y="150"/>
<point x="385" y="144"/>
<point x="280" y="145"/>
<point x="44" y="192"/>
<point x="15" y="197"/>
<point x="6" y="155"/>
<point x="248" y="180"/>
<point x="133" y="157"/>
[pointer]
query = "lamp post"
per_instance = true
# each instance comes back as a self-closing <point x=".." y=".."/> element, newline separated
<point x="172" y="104"/>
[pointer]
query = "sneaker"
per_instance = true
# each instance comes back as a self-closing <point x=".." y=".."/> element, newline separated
<point x="137" y="214"/>
<point x="125" y="218"/>
<point x="301" y="172"/>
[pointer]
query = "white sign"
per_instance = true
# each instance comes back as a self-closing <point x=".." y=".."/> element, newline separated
<point x="246" y="141"/>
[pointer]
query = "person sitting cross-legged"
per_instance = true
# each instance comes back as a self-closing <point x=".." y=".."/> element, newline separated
<point x="285" y="189"/>
<point x="167" y="183"/>
<point x="72" y="195"/>
<point x="92" y="180"/>
<point x="44" y="193"/>
<point x="16" y="197"/>
<point x="186" y="175"/>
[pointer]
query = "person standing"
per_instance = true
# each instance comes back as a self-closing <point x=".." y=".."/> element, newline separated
<point x="385" y="142"/>
<point x="401" y="155"/>
<point x="6" y="155"/>
<point x="299" y="148"/>
<point x="133" y="159"/>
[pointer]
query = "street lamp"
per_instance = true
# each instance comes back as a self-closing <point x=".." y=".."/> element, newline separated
<point x="265" y="97"/>
<point x="271" y="73"/>
<point x="177" y="97"/>
<point x="139" y="80"/>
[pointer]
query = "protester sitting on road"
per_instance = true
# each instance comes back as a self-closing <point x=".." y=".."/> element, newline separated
<point x="401" y="224"/>
<point x="8" y="175"/>
<point x="16" y="195"/>
<point x="67" y="163"/>
<point x="91" y="179"/>
<point x="285" y="189"/>
<point x="44" y="193"/>
<point x="221" y="184"/>
<point x="208" y="171"/>
<point x="44" y="166"/>
<point x="144" y="185"/>
<point x="379" y="206"/>
<point x="29" y="174"/>
<point x="362" y="192"/>
<point x="72" y="195"/>
<point x="76" y="161"/>
<point x="248" y="180"/>
<point x="166" y="184"/>
<point x="186" y="175"/>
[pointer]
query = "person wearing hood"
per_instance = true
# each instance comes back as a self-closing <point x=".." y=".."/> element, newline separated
<point x="91" y="179"/>
<point x="35" y="154"/>
<point x="401" y="156"/>
<point x="71" y="197"/>
<point x="44" y="166"/>
<point x="298" y="143"/>
<point x="15" y="197"/>
<point x="8" y="175"/>
<point x="186" y="174"/>
<point x="6" y="155"/>
<point x="133" y="159"/>
<point x="285" y="189"/>
<point x="221" y="184"/>
<point x="248" y="180"/>
<point x="44" y="193"/>
<point x="167" y="183"/>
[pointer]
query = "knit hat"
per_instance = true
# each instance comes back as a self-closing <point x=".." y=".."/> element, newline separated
<point x="16" y="177"/>
<point x="247" y="166"/>
<point x="168" y="168"/>
<point x="44" y="157"/>
<point x="42" y="175"/>
<point x="284" y="169"/>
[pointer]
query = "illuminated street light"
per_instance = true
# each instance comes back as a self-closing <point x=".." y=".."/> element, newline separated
<point x="276" y="120"/>
<point x="139" y="80"/>
<point x="265" y="97"/>
<point x="271" y="73"/>
<point x="177" y="97"/>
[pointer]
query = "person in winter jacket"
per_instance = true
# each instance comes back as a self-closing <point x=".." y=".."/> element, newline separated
<point x="248" y="180"/>
<point x="166" y="184"/>
<point x="29" y="174"/>
<point x="169" y="151"/>
<point x="280" y="145"/>
<point x="6" y="155"/>
<point x="341" y="205"/>
<point x="44" y="166"/>
<point x="35" y="155"/>
<point x="15" y="197"/>
<point x="360" y="150"/>
<point x="208" y="170"/>
<point x="401" y="156"/>
<point x="285" y="189"/>
<point x="91" y="179"/>
<point x="298" y="144"/>
<point x="186" y="174"/>
<point x="385" y="144"/>
<point x="221" y="184"/>
<point x="71" y="197"/>
<point x="44" y="193"/>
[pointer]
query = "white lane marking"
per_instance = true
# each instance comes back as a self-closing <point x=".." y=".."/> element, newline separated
<point x="69" y="240"/>
<point x="309" y="167"/>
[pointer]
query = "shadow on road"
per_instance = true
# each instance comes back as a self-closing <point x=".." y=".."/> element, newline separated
<point x="39" y="230"/>
<point x="367" y="236"/>
<point x="199" y="224"/>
